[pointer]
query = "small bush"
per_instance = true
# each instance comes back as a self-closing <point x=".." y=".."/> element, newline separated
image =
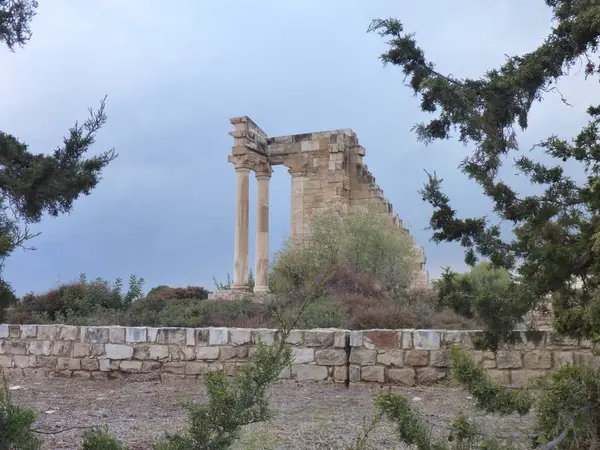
<point x="101" y="439"/>
<point x="170" y="293"/>
<point x="15" y="424"/>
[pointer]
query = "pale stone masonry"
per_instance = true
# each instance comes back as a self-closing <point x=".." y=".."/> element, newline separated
<point x="327" y="171"/>
<point x="395" y="357"/>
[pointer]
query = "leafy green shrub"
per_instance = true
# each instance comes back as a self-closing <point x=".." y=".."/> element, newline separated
<point x="170" y="293"/>
<point x="362" y="241"/>
<point x="101" y="439"/>
<point x="321" y="313"/>
<point x="15" y="424"/>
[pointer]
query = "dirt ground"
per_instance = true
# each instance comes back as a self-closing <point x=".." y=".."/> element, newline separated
<point x="309" y="415"/>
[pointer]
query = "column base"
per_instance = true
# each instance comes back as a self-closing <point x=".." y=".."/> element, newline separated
<point x="254" y="297"/>
<point x="240" y="288"/>
<point x="261" y="290"/>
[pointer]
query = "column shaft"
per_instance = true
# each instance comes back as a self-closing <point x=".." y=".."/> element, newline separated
<point x="262" y="233"/>
<point x="240" y="253"/>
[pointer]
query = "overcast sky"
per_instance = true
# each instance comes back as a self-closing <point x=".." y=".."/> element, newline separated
<point x="174" y="75"/>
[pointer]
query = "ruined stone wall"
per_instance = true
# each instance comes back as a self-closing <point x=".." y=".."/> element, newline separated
<point x="402" y="357"/>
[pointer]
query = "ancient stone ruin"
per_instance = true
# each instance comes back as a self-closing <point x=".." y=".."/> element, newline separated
<point x="327" y="171"/>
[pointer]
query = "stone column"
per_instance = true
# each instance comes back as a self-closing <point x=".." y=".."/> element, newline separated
<point x="297" y="202"/>
<point x="240" y="252"/>
<point x="262" y="231"/>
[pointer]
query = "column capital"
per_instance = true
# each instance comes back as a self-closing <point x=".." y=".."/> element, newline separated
<point x="251" y="161"/>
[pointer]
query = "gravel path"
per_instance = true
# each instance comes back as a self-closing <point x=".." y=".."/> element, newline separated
<point x="309" y="416"/>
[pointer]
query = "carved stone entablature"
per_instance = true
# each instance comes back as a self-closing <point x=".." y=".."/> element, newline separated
<point x="248" y="134"/>
<point x="251" y="161"/>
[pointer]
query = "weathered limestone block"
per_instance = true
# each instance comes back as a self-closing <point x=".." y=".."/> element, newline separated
<point x="116" y="335"/>
<point x="28" y="331"/>
<point x="158" y="352"/>
<point x="440" y="358"/>
<point x="267" y="337"/>
<point x="452" y="337"/>
<point x="240" y="336"/>
<point x="207" y="353"/>
<point x="373" y="373"/>
<point x="508" y="360"/>
<point x="47" y="332"/>
<point x="286" y="373"/>
<point x="152" y="335"/>
<point x="330" y="357"/>
<point x="555" y="340"/>
<point x="404" y="377"/>
<point x="392" y="358"/>
<point x="81" y="350"/>
<point x="106" y="365"/>
<point x="14" y="331"/>
<point x="131" y="366"/>
<point x="296" y="337"/>
<point x="305" y="372"/>
<point x="6" y="361"/>
<point x="4" y="331"/>
<point x="340" y="338"/>
<point x="48" y="362"/>
<point x="97" y="350"/>
<point x="427" y="376"/>
<point x="356" y="338"/>
<point x="150" y="366"/>
<point x="22" y="361"/>
<point x="562" y="359"/>
<point x="90" y="364"/>
<point x="190" y="337"/>
<point x="537" y="360"/>
<point x="416" y="358"/>
<point x="196" y="368"/>
<point x="141" y="352"/>
<point x="354" y="374"/>
<point x="136" y="334"/>
<point x="407" y="339"/>
<point x="218" y="336"/>
<point x="171" y="336"/>
<point x="40" y="348"/>
<point x="15" y="347"/>
<point x="233" y="353"/>
<point x="382" y="338"/>
<point x="363" y="356"/>
<point x="177" y="368"/>
<point x="96" y="335"/>
<point x="303" y="355"/>
<point x="340" y="373"/>
<point x="319" y="338"/>
<point x="201" y="336"/>
<point x="182" y="353"/>
<point x="69" y="333"/>
<point x="426" y="339"/>
<point x="584" y="358"/>
<point x="118" y="351"/>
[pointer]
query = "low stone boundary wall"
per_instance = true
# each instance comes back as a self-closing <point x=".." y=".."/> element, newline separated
<point x="403" y="357"/>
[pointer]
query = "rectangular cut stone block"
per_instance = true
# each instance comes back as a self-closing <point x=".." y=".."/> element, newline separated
<point x="158" y="352"/>
<point x="354" y="374"/>
<point x="81" y="350"/>
<point x="171" y="336"/>
<point x="6" y="361"/>
<point x="407" y="339"/>
<point x="508" y="360"/>
<point x="296" y="337"/>
<point x="555" y="340"/>
<point x="440" y="358"/>
<point x="426" y="339"/>
<point x="97" y="335"/>
<point x="537" y="360"/>
<point x="218" y="336"/>
<point x="363" y="356"/>
<point x="340" y="373"/>
<point x="22" y="361"/>
<point x="404" y="377"/>
<point x="141" y="352"/>
<point x="119" y="351"/>
<point x="339" y="338"/>
<point x="90" y="364"/>
<point x="303" y="355"/>
<point x="233" y="353"/>
<point x="382" y="338"/>
<point x="28" y="331"/>
<point x="452" y="337"/>
<point x="196" y="368"/>
<point x="47" y="332"/>
<point x="151" y="366"/>
<point x="182" y="353"/>
<point x="15" y="347"/>
<point x="116" y="335"/>
<point x="3" y="331"/>
<point x="40" y="348"/>
<point x="207" y="353"/>
<point x="190" y="336"/>
<point x="356" y="338"/>
<point x="392" y="358"/>
<point x="373" y="373"/>
<point x="175" y="367"/>
<point x="331" y="357"/>
<point x="240" y="336"/>
<point x="305" y="372"/>
<point x="130" y="366"/>
<point x="201" y="336"/>
<point x="428" y="376"/>
<point x="104" y="365"/>
<point x="152" y="335"/>
<point x="319" y="338"/>
<point x="97" y="350"/>
<point x="136" y="334"/>
<point x="416" y="358"/>
<point x="69" y="333"/>
<point x="562" y="359"/>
